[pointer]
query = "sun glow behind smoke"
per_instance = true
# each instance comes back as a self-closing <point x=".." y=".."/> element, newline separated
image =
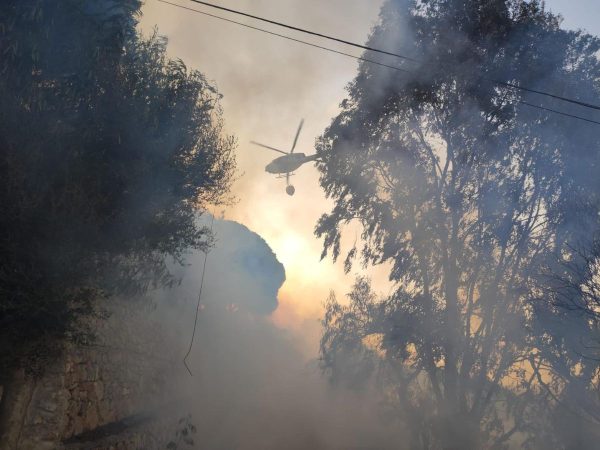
<point x="268" y="86"/>
<point x="307" y="278"/>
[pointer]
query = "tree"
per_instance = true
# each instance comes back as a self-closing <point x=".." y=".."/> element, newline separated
<point x="470" y="194"/>
<point x="108" y="153"/>
<point x="568" y="328"/>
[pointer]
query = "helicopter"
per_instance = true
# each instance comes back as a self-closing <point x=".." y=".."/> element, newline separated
<point x="285" y="165"/>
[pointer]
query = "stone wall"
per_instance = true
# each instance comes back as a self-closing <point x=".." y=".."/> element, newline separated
<point x="106" y="395"/>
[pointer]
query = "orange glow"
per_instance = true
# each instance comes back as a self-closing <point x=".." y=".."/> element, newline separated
<point x="268" y="86"/>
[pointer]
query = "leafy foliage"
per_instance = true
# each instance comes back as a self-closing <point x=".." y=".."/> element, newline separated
<point x="108" y="150"/>
<point x="470" y="195"/>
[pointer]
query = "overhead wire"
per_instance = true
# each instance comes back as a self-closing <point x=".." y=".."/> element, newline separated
<point x="367" y="60"/>
<point x="558" y="112"/>
<point x="359" y="58"/>
<point x="304" y="30"/>
<point x="385" y="52"/>
<point x="558" y="97"/>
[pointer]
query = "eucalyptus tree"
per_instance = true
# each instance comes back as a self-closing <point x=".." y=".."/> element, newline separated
<point x="471" y="194"/>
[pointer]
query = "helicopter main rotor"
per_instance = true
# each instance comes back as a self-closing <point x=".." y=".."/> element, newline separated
<point x="285" y="165"/>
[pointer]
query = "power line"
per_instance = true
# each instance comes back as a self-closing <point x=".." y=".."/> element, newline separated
<point x="558" y="97"/>
<point x="359" y="58"/>
<point x="370" y="61"/>
<point x="385" y="52"/>
<point x="303" y="30"/>
<point x="558" y="112"/>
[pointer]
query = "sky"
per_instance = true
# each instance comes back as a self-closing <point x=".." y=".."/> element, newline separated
<point x="269" y="84"/>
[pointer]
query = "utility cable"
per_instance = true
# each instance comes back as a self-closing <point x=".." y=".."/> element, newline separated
<point x="198" y="305"/>
<point x="558" y="97"/>
<point x="303" y="30"/>
<point x="385" y="52"/>
<point x="370" y="61"/>
<point x="359" y="58"/>
<point x="557" y="112"/>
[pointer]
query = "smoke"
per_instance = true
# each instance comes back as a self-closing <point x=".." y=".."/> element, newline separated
<point x="252" y="387"/>
<point x="386" y="160"/>
<point x="269" y="84"/>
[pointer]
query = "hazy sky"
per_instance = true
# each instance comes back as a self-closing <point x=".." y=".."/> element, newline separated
<point x="269" y="84"/>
